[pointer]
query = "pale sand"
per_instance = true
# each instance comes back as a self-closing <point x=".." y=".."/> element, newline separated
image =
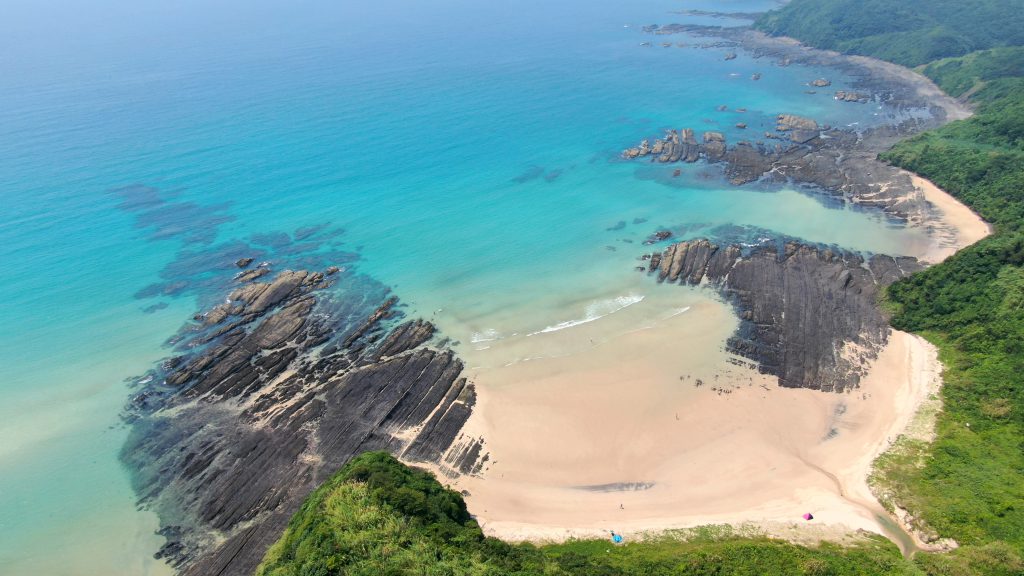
<point x="955" y="225"/>
<point x="619" y="413"/>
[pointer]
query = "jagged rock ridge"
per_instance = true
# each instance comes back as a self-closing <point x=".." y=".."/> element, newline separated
<point x="280" y="386"/>
<point x="808" y="315"/>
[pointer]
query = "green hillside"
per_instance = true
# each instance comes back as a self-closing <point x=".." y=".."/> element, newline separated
<point x="908" y="32"/>
<point x="969" y="483"/>
<point x="966" y="75"/>
<point x="377" y="517"/>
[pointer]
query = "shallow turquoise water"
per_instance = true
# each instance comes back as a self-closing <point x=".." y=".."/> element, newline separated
<point x="469" y="153"/>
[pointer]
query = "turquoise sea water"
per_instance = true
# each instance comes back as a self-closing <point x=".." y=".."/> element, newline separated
<point x="469" y="153"/>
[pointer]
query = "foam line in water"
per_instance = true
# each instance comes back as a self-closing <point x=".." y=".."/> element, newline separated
<point x="677" y="312"/>
<point x="595" y="311"/>
<point x="488" y="335"/>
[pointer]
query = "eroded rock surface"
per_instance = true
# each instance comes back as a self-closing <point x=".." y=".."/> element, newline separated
<point x="277" y="388"/>
<point x="808" y="314"/>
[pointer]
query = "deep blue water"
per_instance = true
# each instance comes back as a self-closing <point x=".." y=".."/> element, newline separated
<point x="466" y="153"/>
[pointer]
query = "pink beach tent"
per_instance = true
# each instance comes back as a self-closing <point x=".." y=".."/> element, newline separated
<point x="808" y="516"/>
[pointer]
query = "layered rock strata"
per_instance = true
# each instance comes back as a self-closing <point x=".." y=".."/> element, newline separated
<point x="279" y="386"/>
<point x="808" y="315"/>
<point x="842" y="163"/>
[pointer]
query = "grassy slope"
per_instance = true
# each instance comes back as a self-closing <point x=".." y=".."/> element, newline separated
<point x="967" y="74"/>
<point x="379" y="517"/>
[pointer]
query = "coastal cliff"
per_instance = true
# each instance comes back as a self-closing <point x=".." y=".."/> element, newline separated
<point x="277" y="388"/>
<point x="808" y="315"/>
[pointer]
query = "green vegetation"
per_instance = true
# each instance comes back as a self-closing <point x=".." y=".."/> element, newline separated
<point x="969" y="483"/>
<point x="378" y="517"/>
<point x="908" y="32"/>
<point x="966" y="75"/>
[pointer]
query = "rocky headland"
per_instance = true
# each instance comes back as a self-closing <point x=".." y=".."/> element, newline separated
<point x="841" y="162"/>
<point x="808" y="314"/>
<point x="273" y="391"/>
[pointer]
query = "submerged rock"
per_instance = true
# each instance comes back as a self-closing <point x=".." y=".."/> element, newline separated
<point x="852" y="97"/>
<point x="659" y="236"/>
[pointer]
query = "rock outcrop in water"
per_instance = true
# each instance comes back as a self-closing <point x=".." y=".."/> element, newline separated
<point x="840" y="162"/>
<point x="280" y="385"/>
<point x="808" y="315"/>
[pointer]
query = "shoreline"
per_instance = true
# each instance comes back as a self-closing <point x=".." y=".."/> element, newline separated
<point x="954" y="225"/>
<point x="841" y="163"/>
<point x="951" y="224"/>
<point x="835" y="480"/>
<point x="777" y="439"/>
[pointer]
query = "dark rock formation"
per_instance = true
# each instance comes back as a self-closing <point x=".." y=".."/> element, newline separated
<point x="852" y="97"/>
<point x="250" y="275"/>
<point x="279" y="387"/>
<point x="658" y="236"/>
<point x="808" y="315"/>
<point x="840" y="162"/>
<point x="243" y="262"/>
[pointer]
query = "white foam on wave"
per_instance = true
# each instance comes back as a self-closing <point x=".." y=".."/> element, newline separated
<point x="595" y="311"/>
<point x="677" y="312"/>
<point x="488" y="335"/>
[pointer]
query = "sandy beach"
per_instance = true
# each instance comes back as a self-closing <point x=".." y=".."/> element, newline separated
<point x="954" y="226"/>
<point x="620" y="436"/>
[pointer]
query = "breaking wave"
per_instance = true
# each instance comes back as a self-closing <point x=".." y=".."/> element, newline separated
<point x="595" y="311"/>
<point x="488" y="335"/>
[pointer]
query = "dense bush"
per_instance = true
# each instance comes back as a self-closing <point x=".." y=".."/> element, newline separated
<point x="958" y="76"/>
<point x="969" y="484"/>
<point x="379" y="517"/>
<point x="908" y="32"/>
